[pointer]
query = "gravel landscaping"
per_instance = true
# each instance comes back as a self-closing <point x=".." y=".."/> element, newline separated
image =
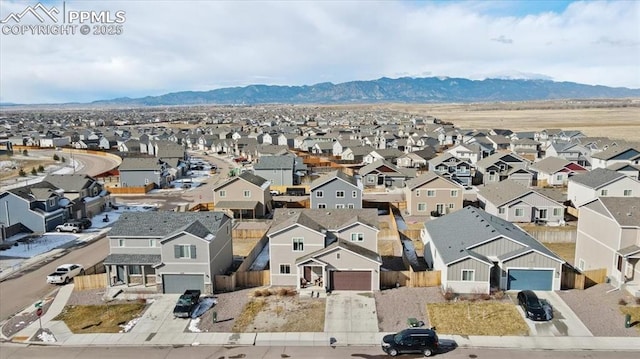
<point x="394" y="306"/>
<point x="599" y="310"/>
<point x="229" y="307"/>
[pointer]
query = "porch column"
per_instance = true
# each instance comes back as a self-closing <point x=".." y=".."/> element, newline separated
<point x="108" y="268"/>
<point x="126" y="275"/>
<point x="144" y="276"/>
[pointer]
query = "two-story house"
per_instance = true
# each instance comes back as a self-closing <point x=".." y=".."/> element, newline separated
<point x="173" y="251"/>
<point x="284" y="170"/>
<point x="501" y="166"/>
<point x="141" y="171"/>
<point x="334" y="249"/>
<point x="336" y="190"/>
<point x="609" y="237"/>
<point x="243" y="196"/>
<point x="600" y="182"/>
<point x="555" y="171"/>
<point x="382" y="174"/>
<point x="87" y="195"/>
<point x="476" y="252"/>
<point x="449" y="166"/>
<point x="614" y="155"/>
<point x="431" y="192"/>
<point x="515" y="202"/>
<point x="39" y="207"/>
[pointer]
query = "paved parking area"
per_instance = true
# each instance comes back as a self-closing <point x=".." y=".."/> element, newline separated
<point x="565" y="322"/>
<point x="351" y="312"/>
<point x="158" y="318"/>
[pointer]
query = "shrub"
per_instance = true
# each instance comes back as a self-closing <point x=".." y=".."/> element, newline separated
<point x="22" y="173"/>
<point x="485" y="296"/>
<point x="25" y="152"/>
<point x="41" y="168"/>
<point x="449" y="295"/>
<point x="34" y="171"/>
<point x="498" y="295"/>
<point x="55" y="157"/>
<point x="622" y="301"/>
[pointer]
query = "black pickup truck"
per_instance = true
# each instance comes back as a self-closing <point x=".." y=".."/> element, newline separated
<point x="186" y="303"/>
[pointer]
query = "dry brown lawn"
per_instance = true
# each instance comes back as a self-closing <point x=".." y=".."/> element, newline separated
<point x="277" y="313"/>
<point x="83" y="319"/>
<point x="566" y="251"/>
<point x="243" y="246"/>
<point x="26" y="164"/>
<point x="476" y="318"/>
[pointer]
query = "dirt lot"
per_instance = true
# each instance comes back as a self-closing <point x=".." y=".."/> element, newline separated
<point x="228" y="309"/>
<point x="394" y="306"/>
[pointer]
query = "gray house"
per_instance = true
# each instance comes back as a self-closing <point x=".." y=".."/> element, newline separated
<point x="39" y="207"/>
<point x="141" y="171"/>
<point x="476" y="252"/>
<point x="336" y="190"/>
<point x="280" y="170"/>
<point x="173" y="251"/>
<point x="501" y="166"/>
<point x="88" y="196"/>
<point x="383" y="174"/>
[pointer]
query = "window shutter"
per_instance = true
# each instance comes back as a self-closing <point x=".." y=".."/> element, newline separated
<point x="193" y="251"/>
<point x="176" y="250"/>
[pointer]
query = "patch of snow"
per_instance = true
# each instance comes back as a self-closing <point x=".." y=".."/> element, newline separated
<point x="47" y="337"/>
<point x="193" y="325"/>
<point x="130" y="324"/>
<point x="410" y="252"/>
<point x="150" y="300"/>
<point x="38" y="245"/>
<point x="261" y="261"/>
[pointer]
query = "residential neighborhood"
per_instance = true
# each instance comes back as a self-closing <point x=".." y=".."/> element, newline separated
<point x="240" y="205"/>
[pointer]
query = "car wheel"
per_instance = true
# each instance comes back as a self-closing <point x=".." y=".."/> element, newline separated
<point x="393" y="352"/>
<point x="82" y="272"/>
<point x="74" y="231"/>
<point x="427" y="352"/>
<point x="58" y="230"/>
<point x="66" y="280"/>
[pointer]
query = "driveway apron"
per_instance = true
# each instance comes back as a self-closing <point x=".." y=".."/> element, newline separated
<point x="353" y="312"/>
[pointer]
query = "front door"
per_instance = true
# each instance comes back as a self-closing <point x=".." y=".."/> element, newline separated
<point x="119" y="274"/>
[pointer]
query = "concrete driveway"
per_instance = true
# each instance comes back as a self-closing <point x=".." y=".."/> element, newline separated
<point x="565" y="322"/>
<point x="158" y="318"/>
<point x="351" y="312"/>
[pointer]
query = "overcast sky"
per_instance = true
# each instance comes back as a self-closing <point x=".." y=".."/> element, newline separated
<point x="169" y="46"/>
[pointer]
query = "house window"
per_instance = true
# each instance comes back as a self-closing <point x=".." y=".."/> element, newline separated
<point x="454" y="193"/>
<point x="468" y="275"/>
<point x="351" y="206"/>
<point x="519" y="212"/>
<point x="619" y="265"/>
<point x="558" y="177"/>
<point x="422" y="207"/>
<point x="120" y="242"/>
<point x="322" y="205"/>
<point x="542" y="214"/>
<point x="581" y="264"/>
<point x="298" y="244"/>
<point x="340" y="205"/>
<point x="135" y="270"/>
<point x="285" y="269"/>
<point x="371" y="179"/>
<point x="319" y="194"/>
<point x="146" y="181"/>
<point x="627" y="193"/>
<point x="501" y="210"/>
<point x="557" y="212"/>
<point x="451" y="205"/>
<point x="153" y="243"/>
<point x="222" y="193"/>
<point x="246" y="193"/>
<point x="339" y="194"/>
<point x="417" y="193"/>
<point x="431" y="193"/>
<point x="354" y="194"/>
<point x="184" y="251"/>
<point x="603" y="192"/>
<point x="52" y="202"/>
<point x="357" y="237"/>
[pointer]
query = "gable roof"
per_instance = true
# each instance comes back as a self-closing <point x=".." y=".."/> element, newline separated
<point x="320" y="219"/>
<point x="402" y="171"/>
<point x="550" y="164"/>
<point x="474" y="226"/>
<point x="624" y="152"/>
<point x="163" y="224"/>
<point x="508" y="157"/>
<point x="425" y="178"/>
<point x="274" y="163"/>
<point x="139" y="164"/>
<point x="70" y="182"/>
<point x="253" y="179"/>
<point x="36" y="191"/>
<point x="505" y="191"/>
<point x="624" y="210"/>
<point x="597" y="177"/>
<point x="333" y="175"/>
<point x="341" y="243"/>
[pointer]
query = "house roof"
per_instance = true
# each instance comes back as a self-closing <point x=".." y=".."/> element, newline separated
<point x="625" y="210"/>
<point x="332" y="175"/>
<point x="274" y="163"/>
<point x="400" y="171"/>
<point x="550" y="164"/>
<point x="136" y="259"/>
<point x="139" y="164"/>
<point x="503" y="192"/>
<point x="425" y="178"/>
<point x="597" y="177"/>
<point x="70" y="182"/>
<point x="36" y="191"/>
<point x="254" y="179"/>
<point x="508" y="157"/>
<point x="322" y="219"/>
<point x="615" y="151"/>
<point x="341" y="243"/>
<point x="455" y="233"/>
<point x="163" y="224"/>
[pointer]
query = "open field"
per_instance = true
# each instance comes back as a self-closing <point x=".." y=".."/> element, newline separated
<point x="22" y="162"/>
<point x="610" y="118"/>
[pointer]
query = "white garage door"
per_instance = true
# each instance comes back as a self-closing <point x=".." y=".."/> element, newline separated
<point x="178" y="283"/>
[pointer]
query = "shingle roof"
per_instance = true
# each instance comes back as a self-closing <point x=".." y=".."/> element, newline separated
<point x="40" y="190"/>
<point x="70" y="182"/>
<point x="597" y="177"/>
<point x="136" y="259"/>
<point x="330" y="176"/>
<point x="319" y="219"/>
<point x="251" y="178"/>
<point x="625" y="210"/>
<point x="455" y="233"/>
<point x="345" y="245"/>
<point x="163" y="224"/>
<point x="139" y="164"/>
<point x="274" y="163"/>
<point x="615" y="151"/>
<point x="550" y="164"/>
<point x="503" y="192"/>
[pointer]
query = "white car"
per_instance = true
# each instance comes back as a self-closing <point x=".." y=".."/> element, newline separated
<point x="69" y="227"/>
<point x="65" y="273"/>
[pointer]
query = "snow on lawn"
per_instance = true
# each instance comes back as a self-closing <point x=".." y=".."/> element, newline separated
<point x="130" y="324"/>
<point x="38" y="245"/>
<point x="46" y="337"/>
<point x="193" y="325"/>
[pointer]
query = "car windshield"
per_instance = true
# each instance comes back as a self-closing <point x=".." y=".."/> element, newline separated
<point x="398" y="338"/>
<point x="533" y="303"/>
<point x="184" y="301"/>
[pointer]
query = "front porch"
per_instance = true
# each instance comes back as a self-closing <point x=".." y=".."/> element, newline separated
<point x="131" y="270"/>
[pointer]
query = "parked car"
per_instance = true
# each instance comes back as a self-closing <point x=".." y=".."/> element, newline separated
<point x="533" y="307"/>
<point x="412" y="340"/>
<point x="83" y="222"/>
<point x="74" y="227"/>
<point x="65" y="273"/>
<point x="186" y="303"/>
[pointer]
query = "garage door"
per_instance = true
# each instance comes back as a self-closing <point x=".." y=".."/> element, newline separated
<point x="533" y="279"/>
<point x="178" y="283"/>
<point x="350" y="280"/>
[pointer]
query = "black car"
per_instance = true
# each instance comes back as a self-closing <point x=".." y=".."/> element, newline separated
<point x="186" y="303"/>
<point x="533" y="307"/>
<point x="412" y="340"/>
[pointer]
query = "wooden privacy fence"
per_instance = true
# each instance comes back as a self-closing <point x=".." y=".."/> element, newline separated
<point x="90" y="281"/>
<point x="573" y="279"/>
<point x="228" y="283"/>
<point x="411" y="279"/>
<point x="132" y="190"/>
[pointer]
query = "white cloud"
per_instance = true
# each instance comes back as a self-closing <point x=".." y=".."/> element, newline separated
<point x="199" y="45"/>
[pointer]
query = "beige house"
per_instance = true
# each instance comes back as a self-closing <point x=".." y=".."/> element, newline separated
<point x="432" y="192"/>
<point x="243" y="196"/>
<point x="609" y="237"/>
<point x="334" y="249"/>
